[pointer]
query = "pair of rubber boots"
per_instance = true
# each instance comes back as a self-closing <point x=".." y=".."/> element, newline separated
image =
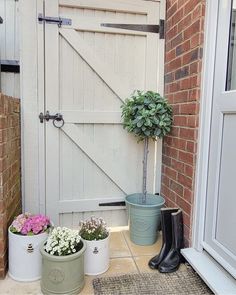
<point x="169" y="258"/>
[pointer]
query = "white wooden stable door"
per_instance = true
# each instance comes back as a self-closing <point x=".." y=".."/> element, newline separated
<point x="89" y="71"/>
<point x="220" y="220"/>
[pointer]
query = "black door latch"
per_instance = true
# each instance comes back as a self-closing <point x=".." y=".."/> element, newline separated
<point x="56" y="118"/>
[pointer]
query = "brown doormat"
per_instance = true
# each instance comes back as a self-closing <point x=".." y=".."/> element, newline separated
<point x="181" y="282"/>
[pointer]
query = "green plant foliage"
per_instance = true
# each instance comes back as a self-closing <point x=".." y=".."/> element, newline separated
<point x="147" y="115"/>
<point x="93" y="229"/>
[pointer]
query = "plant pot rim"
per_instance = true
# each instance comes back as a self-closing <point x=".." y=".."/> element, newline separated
<point x="161" y="200"/>
<point x="65" y="257"/>
<point x="25" y="236"/>
<point x="96" y="240"/>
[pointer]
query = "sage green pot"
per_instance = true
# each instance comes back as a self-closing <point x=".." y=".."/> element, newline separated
<point x="144" y="219"/>
<point x="62" y="274"/>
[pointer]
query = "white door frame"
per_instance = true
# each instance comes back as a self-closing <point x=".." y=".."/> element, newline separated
<point x="208" y="87"/>
<point x="217" y="278"/>
<point x="206" y="100"/>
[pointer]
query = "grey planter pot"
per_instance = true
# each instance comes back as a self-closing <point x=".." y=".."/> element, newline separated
<point x="62" y="274"/>
<point x="144" y="219"/>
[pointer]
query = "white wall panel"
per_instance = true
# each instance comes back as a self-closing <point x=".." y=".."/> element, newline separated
<point x="9" y="45"/>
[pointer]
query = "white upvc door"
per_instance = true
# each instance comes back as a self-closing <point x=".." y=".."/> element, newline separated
<point x="89" y="71"/>
<point x="220" y="216"/>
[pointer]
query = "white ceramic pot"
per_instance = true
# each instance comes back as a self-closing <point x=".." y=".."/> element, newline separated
<point x="96" y="259"/>
<point x="25" y="261"/>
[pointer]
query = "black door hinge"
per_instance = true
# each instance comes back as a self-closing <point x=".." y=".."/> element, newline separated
<point x="156" y="29"/>
<point x="60" y="21"/>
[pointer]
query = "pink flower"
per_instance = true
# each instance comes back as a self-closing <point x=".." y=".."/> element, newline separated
<point x="19" y="221"/>
<point x="30" y="224"/>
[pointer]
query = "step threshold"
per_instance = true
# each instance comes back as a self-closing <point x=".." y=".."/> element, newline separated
<point x="214" y="275"/>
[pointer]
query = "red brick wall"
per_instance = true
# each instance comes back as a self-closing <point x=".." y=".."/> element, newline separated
<point x="10" y="189"/>
<point x="183" y="61"/>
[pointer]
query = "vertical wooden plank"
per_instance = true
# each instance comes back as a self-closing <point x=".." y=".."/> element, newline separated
<point x="7" y="44"/>
<point x="8" y="78"/>
<point x="66" y="220"/>
<point x="161" y="52"/>
<point x="152" y="52"/>
<point x="105" y="133"/>
<point x="153" y="82"/>
<point x="3" y="30"/>
<point x="160" y="83"/>
<point x="10" y="29"/>
<point x="78" y="71"/>
<point x="29" y="115"/>
<point x="65" y="101"/>
<point x="17" y="50"/>
<point x="89" y="97"/>
<point x="2" y="38"/>
<point x="41" y="108"/>
<point x="79" y="158"/>
<point x="67" y="155"/>
<point x="77" y="170"/>
<point x="66" y="75"/>
<point x="139" y="61"/>
<point x="2" y="41"/>
<point x="52" y="104"/>
<point x="99" y="41"/>
<point x="17" y="32"/>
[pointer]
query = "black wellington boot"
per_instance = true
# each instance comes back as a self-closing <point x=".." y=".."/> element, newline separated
<point x="166" y="226"/>
<point x="174" y="258"/>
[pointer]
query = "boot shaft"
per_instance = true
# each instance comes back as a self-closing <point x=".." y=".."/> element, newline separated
<point x="166" y="224"/>
<point x="177" y="229"/>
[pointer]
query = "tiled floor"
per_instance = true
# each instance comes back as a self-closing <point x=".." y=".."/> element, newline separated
<point x="126" y="257"/>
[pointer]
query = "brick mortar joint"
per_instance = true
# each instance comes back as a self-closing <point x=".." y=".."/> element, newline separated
<point x="175" y="193"/>
<point x="202" y="3"/>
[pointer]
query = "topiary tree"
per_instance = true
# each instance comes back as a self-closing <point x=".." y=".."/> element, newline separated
<point x="146" y="115"/>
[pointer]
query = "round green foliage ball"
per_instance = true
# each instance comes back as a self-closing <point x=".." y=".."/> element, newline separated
<point x="147" y="114"/>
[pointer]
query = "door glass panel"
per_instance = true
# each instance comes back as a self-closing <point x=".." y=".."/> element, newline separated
<point x="225" y="218"/>
<point x="231" y="68"/>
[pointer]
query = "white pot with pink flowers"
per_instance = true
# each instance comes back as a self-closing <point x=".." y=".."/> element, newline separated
<point x="95" y="234"/>
<point x="26" y="234"/>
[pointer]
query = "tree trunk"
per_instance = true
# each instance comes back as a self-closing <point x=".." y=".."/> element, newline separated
<point x="145" y="157"/>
